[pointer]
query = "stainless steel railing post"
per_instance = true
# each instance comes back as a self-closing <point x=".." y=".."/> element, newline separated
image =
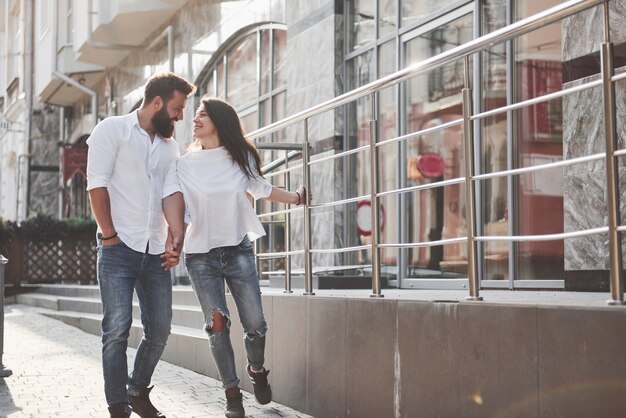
<point x="470" y="199"/>
<point x="287" y="233"/>
<point x="612" y="177"/>
<point x="376" y="292"/>
<point x="308" y="262"/>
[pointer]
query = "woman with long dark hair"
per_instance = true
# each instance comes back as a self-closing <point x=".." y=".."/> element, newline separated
<point x="219" y="171"/>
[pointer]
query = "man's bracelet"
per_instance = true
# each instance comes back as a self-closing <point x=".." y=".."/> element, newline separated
<point x="108" y="238"/>
<point x="299" y="198"/>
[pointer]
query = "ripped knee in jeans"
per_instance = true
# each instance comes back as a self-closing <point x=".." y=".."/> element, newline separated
<point x="218" y="323"/>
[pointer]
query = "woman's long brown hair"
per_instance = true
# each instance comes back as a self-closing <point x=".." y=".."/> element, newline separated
<point x="230" y="132"/>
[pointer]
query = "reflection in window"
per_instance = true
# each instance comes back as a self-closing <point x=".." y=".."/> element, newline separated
<point x="387" y="20"/>
<point x="266" y="68"/>
<point x="432" y="100"/>
<point x="362" y="29"/>
<point x="242" y="77"/>
<point x="448" y="79"/>
<point x="414" y="10"/>
<point x="280" y="68"/>
<point x="240" y="84"/>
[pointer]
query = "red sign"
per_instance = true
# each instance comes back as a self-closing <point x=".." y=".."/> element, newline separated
<point x="73" y="161"/>
<point x="430" y="165"/>
<point x="364" y="217"/>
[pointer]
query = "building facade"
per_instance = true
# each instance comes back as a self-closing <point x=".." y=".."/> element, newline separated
<point x="66" y="64"/>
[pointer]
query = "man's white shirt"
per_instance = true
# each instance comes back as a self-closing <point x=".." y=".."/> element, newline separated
<point x="138" y="174"/>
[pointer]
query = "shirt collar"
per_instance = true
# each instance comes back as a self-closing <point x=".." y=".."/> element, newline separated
<point x="134" y="122"/>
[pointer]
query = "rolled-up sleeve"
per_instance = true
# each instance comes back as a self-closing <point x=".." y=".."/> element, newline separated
<point x="103" y="147"/>
<point x="258" y="187"/>
<point x="170" y="183"/>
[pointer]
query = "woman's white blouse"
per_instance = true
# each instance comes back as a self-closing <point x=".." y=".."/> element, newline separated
<point x="217" y="209"/>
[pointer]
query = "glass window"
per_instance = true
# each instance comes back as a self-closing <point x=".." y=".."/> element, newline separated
<point x="280" y="68"/>
<point x="539" y="136"/>
<point x="266" y="112"/>
<point x="361" y="70"/>
<point x="249" y="122"/>
<point x="448" y="79"/>
<point x="241" y="76"/>
<point x="279" y="103"/>
<point x="414" y="10"/>
<point x="219" y="83"/>
<point x="433" y="99"/>
<point x="210" y="84"/>
<point x="235" y="75"/>
<point x="387" y="98"/>
<point x="361" y="27"/>
<point x="266" y="68"/>
<point x="387" y="16"/>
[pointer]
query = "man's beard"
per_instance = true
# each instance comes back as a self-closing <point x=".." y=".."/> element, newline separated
<point x="163" y="124"/>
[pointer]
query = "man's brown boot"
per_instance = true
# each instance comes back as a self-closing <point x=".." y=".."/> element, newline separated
<point x="142" y="406"/>
<point x="120" y="410"/>
<point x="234" y="403"/>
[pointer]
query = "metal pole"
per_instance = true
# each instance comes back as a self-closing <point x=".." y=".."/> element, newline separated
<point x="612" y="183"/>
<point x="470" y="199"/>
<point x="4" y="372"/>
<point x="374" y="201"/>
<point x="255" y="245"/>
<point x="62" y="141"/>
<point x="287" y="233"/>
<point x="308" y="262"/>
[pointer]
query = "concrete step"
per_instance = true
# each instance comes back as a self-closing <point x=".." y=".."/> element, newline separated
<point x="69" y="290"/>
<point x="181" y="295"/>
<point x="186" y="347"/>
<point x="182" y="315"/>
<point x="38" y="300"/>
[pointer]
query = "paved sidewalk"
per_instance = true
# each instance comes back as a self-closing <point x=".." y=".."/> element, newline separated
<point x="57" y="373"/>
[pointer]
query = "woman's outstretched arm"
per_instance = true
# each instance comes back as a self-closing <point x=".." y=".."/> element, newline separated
<point x="284" y="196"/>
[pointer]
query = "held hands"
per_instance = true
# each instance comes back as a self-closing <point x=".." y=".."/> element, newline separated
<point x="173" y="247"/>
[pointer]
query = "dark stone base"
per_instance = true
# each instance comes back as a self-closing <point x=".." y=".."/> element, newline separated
<point x="587" y="280"/>
<point x="330" y="282"/>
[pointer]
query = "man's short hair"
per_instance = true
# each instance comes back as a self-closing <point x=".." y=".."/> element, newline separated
<point x="164" y="85"/>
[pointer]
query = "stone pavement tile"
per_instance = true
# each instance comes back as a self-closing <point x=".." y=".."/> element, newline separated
<point x="57" y="373"/>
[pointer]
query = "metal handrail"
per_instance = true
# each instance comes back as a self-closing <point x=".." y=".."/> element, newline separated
<point x="538" y="99"/>
<point x="524" y="170"/>
<point x="463" y="52"/>
<point x="506" y="33"/>
<point x="422" y="132"/>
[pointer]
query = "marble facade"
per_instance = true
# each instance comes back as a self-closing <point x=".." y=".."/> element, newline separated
<point x="584" y="194"/>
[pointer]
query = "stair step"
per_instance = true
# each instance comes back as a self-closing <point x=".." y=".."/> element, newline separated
<point x="186" y="347"/>
<point x="181" y="295"/>
<point x="182" y="315"/>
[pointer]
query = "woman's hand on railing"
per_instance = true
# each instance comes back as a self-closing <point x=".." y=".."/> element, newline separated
<point x="302" y="195"/>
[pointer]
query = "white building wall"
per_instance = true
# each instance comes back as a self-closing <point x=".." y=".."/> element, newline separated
<point x="45" y="43"/>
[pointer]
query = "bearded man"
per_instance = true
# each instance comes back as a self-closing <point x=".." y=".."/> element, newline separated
<point x="131" y="179"/>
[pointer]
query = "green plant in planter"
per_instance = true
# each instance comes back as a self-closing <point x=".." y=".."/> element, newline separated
<point x="48" y="228"/>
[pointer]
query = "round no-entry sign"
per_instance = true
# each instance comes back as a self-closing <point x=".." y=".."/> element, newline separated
<point x="364" y="217"/>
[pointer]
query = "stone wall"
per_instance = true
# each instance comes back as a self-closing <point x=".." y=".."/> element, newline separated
<point x="584" y="192"/>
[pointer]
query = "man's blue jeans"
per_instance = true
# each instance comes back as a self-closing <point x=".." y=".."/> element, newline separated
<point x="236" y="266"/>
<point x="120" y="270"/>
